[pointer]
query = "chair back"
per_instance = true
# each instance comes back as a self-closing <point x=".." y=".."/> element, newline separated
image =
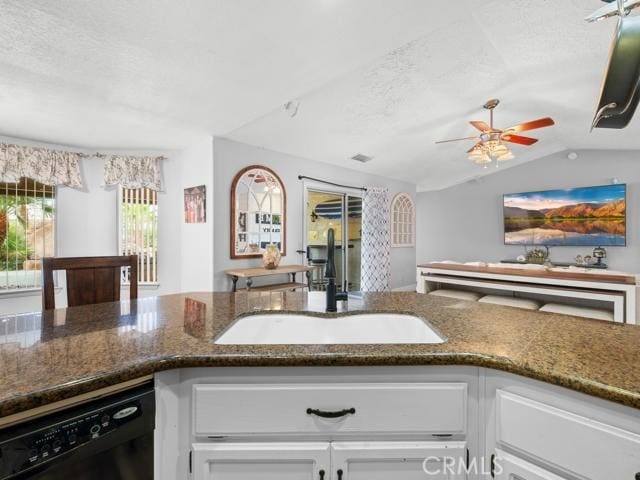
<point x="89" y="279"/>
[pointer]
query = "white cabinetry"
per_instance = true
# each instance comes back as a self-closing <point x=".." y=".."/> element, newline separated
<point x="398" y="460"/>
<point x="382" y="423"/>
<point x="543" y="432"/>
<point x="317" y="423"/>
<point x="368" y="408"/>
<point x="510" y="467"/>
<point x="329" y="461"/>
<point x="261" y="461"/>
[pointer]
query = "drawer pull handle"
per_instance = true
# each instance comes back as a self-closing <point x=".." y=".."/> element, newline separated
<point x="339" y="472"/>
<point x="321" y="473"/>
<point x="338" y="414"/>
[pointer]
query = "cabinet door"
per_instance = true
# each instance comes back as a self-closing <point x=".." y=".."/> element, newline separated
<point x="260" y="461"/>
<point x="398" y="460"/>
<point x="509" y="467"/>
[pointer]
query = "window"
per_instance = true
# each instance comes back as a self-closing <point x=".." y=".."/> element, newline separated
<point x="402" y="221"/>
<point x="27" y="232"/>
<point x="138" y="231"/>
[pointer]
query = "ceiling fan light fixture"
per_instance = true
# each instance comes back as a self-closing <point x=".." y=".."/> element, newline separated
<point x="506" y="156"/>
<point x="493" y="143"/>
<point x="479" y="155"/>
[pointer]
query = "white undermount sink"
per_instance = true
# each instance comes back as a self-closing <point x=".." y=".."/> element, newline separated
<point x="368" y="328"/>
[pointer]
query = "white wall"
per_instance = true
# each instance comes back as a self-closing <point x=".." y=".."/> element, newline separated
<point x="232" y="156"/>
<point x="464" y="223"/>
<point x="197" y="240"/>
<point x="86" y="223"/>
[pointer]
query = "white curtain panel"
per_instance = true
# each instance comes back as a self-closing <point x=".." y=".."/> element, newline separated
<point x="132" y="172"/>
<point x="51" y="167"/>
<point x="376" y="245"/>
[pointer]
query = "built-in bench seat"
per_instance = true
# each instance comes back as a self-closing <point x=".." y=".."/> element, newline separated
<point x="516" y="302"/>
<point x="587" y="312"/>
<point x="458" y="294"/>
<point x="526" y="304"/>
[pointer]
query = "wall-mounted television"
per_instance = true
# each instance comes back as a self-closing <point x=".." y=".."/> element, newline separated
<point x="586" y="216"/>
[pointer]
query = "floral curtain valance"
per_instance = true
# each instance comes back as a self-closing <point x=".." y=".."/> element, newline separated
<point x="51" y="167"/>
<point x="133" y="172"/>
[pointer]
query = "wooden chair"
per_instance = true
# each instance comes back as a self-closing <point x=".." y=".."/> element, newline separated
<point x="89" y="279"/>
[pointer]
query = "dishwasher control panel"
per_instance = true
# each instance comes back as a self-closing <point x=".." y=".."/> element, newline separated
<point x="40" y="445"/>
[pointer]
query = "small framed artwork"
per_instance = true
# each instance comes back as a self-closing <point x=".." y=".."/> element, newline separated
<point x="195" y="204"/>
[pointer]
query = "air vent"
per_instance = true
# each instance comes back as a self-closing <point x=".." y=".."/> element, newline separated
<point x="361" y="158"/>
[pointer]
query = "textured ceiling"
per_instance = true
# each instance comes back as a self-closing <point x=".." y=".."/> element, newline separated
<point x="386" y="78"/>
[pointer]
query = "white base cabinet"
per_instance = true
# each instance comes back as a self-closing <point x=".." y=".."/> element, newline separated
<point x="510" y="467"/>
<point x="386" y="423"/>
<point x="398" y="460"/>
<point x="542" y="432"/>
<point x="329" y="461"/>
<point x="261" y="461"/>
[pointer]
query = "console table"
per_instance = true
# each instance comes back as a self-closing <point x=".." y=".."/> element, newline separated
<point x="250" y="273"/>
<point x="617" y="289"/>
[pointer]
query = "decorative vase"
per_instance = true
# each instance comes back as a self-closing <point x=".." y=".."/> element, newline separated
<point x="271" y="257"/>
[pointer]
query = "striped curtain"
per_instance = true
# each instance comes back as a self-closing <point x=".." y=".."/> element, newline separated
<point x="376" y="247"/>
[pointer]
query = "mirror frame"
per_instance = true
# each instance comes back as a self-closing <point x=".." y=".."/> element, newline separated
<point x="232" y="229"/>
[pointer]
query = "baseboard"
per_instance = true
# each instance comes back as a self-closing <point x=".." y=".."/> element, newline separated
<point x="406" y="288"/>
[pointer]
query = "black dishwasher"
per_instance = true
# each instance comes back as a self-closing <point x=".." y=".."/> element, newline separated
<point x="107" y="438"/>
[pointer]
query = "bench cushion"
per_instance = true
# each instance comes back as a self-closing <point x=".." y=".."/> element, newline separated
<point x="459" y="294"/>
<point x="511" y="302"/>
<point x="587" y="312"/>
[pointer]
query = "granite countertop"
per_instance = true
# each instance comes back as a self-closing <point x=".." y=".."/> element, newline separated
<point x="46" y="357"/>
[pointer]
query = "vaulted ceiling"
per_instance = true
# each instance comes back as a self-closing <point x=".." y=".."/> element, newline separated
<point x="386" y="78"/>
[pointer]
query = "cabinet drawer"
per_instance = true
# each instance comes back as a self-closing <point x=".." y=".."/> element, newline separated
<point x="565" y="441"/>
<point x="417" y="408"/>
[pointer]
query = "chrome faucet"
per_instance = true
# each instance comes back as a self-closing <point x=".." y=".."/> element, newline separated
<point x="330" y="274"/>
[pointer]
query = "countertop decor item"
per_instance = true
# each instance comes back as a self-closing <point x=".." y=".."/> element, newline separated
<point x="599" y="253"/>
<point x="258" y="212"/>
<point x="538" y="255"/>
<point x="271" y="257"/>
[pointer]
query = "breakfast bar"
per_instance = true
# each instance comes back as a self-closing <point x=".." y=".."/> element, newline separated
<point x="248" y="401"/>
<point x="617" y="289"/>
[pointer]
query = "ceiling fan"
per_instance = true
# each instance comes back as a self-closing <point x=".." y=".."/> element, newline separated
<point x="490" y="144"/>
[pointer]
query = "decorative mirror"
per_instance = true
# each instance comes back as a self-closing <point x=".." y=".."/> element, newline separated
<point x="258" y="212"/>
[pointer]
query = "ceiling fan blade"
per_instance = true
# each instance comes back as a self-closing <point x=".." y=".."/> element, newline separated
<point x="519" y="139"/>
<point x="457" y="139"/>
<point x="482" y="126"/>
<point x="532" y="125"/>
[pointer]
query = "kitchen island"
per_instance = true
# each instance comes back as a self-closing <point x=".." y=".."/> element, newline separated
<point x="462" y="385"/>
<point x="53" y="355"/>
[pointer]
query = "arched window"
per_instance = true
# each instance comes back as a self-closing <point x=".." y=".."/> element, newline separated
<point x="403" y="219"/>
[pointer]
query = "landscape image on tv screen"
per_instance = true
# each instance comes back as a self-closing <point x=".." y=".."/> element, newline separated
<point x="589" y="216"/>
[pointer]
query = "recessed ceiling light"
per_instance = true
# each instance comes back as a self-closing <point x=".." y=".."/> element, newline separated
<point x="362" y="158"/>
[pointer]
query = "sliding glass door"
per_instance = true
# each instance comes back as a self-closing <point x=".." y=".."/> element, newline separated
<point x="341" y="211"/>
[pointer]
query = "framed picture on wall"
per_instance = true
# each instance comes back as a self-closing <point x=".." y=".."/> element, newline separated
<point x="195" y="204"/>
